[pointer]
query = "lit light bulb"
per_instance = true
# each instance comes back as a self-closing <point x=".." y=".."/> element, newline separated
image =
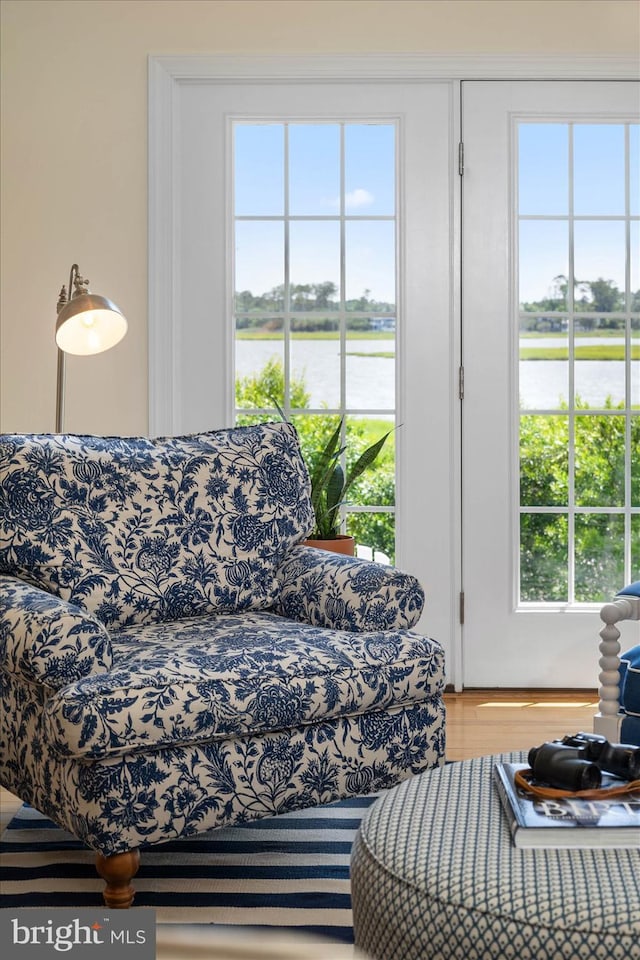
<point x="93" y="341"/>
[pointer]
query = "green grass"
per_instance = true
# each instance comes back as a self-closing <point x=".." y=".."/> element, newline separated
<point x="387" y="354"/>
<point x="592" y="352"/>
<point x="533" y="334"/>
<point x="313" y="335"/>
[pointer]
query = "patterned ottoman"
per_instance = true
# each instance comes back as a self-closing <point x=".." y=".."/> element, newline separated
<point x="434" y="874"/>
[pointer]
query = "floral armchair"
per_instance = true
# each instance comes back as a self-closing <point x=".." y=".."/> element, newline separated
<point x="173" y="659"/>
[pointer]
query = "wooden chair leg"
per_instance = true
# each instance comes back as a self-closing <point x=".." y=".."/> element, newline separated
<point x="118" y="871"/>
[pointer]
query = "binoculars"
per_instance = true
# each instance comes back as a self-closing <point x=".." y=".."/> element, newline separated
<point x="577" y="762"/>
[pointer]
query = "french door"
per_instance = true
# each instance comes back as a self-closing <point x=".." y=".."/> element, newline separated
<point x="316" y="210"/>
<point x="551" y="423"/>
<point x="525" y="264"/>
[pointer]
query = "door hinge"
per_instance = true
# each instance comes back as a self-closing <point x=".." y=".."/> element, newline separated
<point x="461" y="606"/>
<point x="461" y="382"/>
<point x="461" y="158"/>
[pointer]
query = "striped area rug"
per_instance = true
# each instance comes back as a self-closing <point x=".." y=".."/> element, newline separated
<point x="286" y="871"/>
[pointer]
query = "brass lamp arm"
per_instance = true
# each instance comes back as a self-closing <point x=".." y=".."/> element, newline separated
<point x="75" y="281"/>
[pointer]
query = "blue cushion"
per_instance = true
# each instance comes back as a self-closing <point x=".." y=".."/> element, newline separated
<point x="633" y="590"/>
<point x="141" y="531"/>
<point x="630" y="681"/>
<point x="630" y="730"/>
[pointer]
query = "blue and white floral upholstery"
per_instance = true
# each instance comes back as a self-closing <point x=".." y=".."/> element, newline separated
<point x="137" y="530"/>
<point x="174" y="659"/>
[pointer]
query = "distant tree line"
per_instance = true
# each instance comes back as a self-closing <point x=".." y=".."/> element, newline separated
<point x="305" y="298"/>
<point x="590" y="296"/>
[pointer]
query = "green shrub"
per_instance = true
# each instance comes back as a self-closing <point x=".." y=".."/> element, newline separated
<point x="544" y="481"/>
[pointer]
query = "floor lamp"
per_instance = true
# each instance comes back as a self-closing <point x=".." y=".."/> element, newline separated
<point x="86" y="324"/>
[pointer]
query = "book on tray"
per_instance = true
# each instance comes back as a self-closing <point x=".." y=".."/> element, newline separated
<point x="568" y="822"/>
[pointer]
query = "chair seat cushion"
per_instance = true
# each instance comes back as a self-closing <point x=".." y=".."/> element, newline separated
<point x="215" y="677"/>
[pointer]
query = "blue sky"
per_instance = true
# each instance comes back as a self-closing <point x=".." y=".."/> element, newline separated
<point x="314" y="190"/>
<point x="314" y="179"/>
<point x="598" y="191"/>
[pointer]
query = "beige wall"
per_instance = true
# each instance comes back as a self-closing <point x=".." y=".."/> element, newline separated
<point x="74" y="160"/>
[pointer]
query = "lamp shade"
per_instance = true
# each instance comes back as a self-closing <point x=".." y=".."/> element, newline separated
<point x="88" y="324"/>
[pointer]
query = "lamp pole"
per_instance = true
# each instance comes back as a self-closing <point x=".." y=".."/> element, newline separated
<point x="74" y="276"/>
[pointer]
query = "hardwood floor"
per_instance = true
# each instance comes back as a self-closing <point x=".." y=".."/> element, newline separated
<point x="8" y="806"/>
<point x="491" y="721"/>
<point x="484" y="721"/>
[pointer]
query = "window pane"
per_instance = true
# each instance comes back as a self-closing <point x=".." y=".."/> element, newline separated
<point x="370" y="169"/>
<point x="599" y="461"/>
<point x="315" y="359"/>
<point x="635" y="461"/>
<point x="598" y="169"/>
<point x="259" y="264"/>
<point x="314" y="431"/>
<point x="543" y="163"/>
<point x="600" y="382"/>
<point x="371" y="372"/>
<point x="599" y="372"/>
<point x="376" y="486"/>
<point x="315" y="265"/>
<point x="543" y="557"/>
<point x="259" y="169"/>
<point x="634" y="168"/>
<point x="543" y="265"/>
<point x="259" y="370"/>
<point x="544" y="461"/>
<point x="544" y="366"/>
<point x="374" y="535"/>
<point x="370" y="262"/>
<point x="635" y="541"/>
<point x="635" y="320"/>
<point x="635" y="265"/>
<point x="314" y="169"/>
<point x="599" y="265"/>
<point x="599" y="556"/>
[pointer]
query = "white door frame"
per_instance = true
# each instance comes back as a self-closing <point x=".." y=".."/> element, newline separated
<point x="168" y="73"/>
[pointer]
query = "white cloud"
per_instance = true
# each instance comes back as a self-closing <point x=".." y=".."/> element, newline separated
<point x="358" y="198"/>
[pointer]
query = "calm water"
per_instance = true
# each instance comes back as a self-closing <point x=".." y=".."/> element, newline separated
<point x="371" y="381"/>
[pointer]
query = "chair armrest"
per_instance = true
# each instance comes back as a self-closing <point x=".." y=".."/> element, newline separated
<point x="346" y="593"/>
<point x="46" y="640"/>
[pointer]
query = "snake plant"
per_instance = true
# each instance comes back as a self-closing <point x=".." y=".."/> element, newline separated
<point x="330" y="484"/>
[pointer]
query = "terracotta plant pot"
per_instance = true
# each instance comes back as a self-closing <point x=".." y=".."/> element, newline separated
<point x="340" y="544"/>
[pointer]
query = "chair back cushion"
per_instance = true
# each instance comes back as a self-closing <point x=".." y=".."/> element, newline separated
<point x="140" y="531"/>
<point x="630" y="682"/>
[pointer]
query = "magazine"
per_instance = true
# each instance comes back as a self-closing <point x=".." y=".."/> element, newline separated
<point x="569" y="822"/>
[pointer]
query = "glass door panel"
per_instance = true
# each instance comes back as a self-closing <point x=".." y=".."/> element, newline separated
<point x="315" y="295"/>
<point x="576" y="347"/>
